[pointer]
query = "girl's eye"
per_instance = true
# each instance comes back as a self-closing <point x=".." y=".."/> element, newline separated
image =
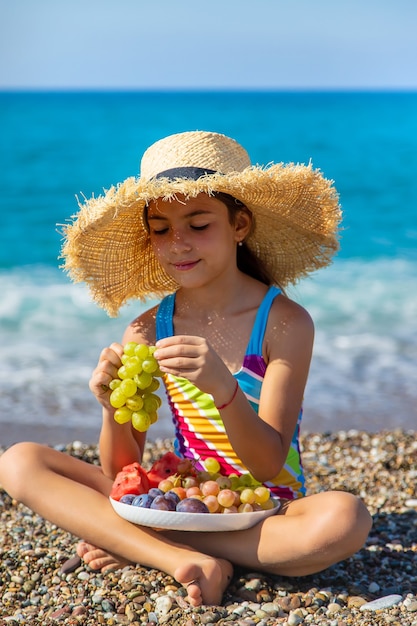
<point x="203" y="227"/>
<point x="164" y="231"/>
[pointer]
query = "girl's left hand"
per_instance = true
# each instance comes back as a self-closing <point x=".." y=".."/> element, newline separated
<point x="194" y="359"/>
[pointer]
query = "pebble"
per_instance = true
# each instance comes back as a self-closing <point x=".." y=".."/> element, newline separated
<point x="163" y="605"/>
<point x="294" y="619"/>
<point x="381" y="603"/>
<point x="379" y="467"/>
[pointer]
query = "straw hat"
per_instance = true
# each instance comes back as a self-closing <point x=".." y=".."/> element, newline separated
<point x="295" y="213"/>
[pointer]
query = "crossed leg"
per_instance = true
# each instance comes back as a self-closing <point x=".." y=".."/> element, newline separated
<point x="74" y="495"/>
<point x="306" y="536"/>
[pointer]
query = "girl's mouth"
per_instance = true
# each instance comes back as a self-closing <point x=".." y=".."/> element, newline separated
<point x="183" y="266"/>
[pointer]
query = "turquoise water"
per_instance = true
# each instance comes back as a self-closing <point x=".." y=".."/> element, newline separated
<point x="56" y="146"/>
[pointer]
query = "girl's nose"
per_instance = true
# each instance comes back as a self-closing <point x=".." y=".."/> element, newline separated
<point x="179" y="241"/>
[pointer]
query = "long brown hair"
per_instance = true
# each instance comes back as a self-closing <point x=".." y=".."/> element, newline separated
<point x="247" y="261"/>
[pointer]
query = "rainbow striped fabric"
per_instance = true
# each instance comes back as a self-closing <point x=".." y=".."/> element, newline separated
<point x="199" y="429"/>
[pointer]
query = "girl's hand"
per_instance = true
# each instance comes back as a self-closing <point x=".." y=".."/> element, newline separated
<point x="108" y="364"/>
<point x="194" y="359"/>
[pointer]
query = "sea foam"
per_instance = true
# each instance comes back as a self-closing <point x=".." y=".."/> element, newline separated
<point x="362" y="373"/>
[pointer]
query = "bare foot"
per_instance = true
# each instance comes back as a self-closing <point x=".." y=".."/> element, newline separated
<point x="99" y="559"/>
<point x="205" y="580"/>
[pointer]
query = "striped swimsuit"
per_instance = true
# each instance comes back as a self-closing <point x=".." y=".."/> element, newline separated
<point x="199" y="429"/>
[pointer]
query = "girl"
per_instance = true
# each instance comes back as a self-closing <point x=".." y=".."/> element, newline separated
<point x="222" y="238"/>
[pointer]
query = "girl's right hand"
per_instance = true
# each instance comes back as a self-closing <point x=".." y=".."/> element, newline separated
<point x="194" y="359"/>
<point x="106" y="370"/>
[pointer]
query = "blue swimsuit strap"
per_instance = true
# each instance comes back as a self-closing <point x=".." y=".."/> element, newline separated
<point x="258" y="331"/>
<point x="165" y="317"/>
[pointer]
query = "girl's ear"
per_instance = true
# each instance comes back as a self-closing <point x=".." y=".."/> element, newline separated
<point x="243" y="225"/>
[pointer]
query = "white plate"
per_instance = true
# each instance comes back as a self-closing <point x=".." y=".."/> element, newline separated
<point x="208" y="522"/>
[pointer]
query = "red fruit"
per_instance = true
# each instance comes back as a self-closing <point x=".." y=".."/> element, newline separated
<point x="131" y="479"/>
<point x="166" y="466"/>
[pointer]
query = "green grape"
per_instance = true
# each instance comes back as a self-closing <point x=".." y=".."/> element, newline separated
<point x="123" y="415"/>
<point x="130" y="348"/>
<point x="150" y="365"/>
<point x="121" y="372"/>
<point x="268" y="505"/>
<point x="151" y="402"/>
<point x="153" y="417"/>
<point x="154" y="386"/>
<point x="234" y="482"/>
<point x="117" y="399"/>
<point x="212" y="465"/>
<point x="262" y="494"/>
<point x="128" y="387"/>
<point x="245" y="480"/>
<point x="133" y="366"/>
<point x="135" y="403"/>
<point x="143" y="380"/>
<point x="247" y="496"/>
<point x="141" y="420"/>
<point x="142" y="351"/>
<point x="132" y="392"/>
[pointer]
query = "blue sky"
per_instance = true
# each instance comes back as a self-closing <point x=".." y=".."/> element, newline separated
<point x="174" y="44"/>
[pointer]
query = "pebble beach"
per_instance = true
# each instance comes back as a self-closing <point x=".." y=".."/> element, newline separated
<point x="378" y="585"/>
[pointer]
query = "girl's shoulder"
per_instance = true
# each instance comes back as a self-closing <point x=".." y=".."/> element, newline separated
<point x="288" y="323"/>
<point x="142" y="328"/>
<point x="283" y="309"/>
<point x="287" y="314"/>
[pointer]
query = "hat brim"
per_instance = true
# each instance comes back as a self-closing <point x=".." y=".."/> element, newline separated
<point x="295" y="211"/>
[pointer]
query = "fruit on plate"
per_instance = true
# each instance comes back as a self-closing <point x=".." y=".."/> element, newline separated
<point x="174" y="484"/>
<point x="192" y="505"/>
<point x="166" y="466"/>
<point x="131" y="480"/>
<point x="133" y="390"/>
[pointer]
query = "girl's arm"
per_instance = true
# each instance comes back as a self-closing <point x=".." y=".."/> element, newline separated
<point x="261" y="441"/>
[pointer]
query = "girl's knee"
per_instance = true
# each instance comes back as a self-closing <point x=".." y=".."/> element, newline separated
<point x="357" y="515"/>
<point x="16" y="466"/>
<point x="347" y="521"/>
<point x="333" y="522"/>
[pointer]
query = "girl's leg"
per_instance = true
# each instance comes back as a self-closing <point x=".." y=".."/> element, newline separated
<point x="74" y="495"/>
<point x="307" y="536"/>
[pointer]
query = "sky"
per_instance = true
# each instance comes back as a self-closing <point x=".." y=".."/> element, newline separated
<point x="221" y="44"/>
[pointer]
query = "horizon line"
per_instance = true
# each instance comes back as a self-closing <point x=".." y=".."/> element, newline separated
<point x="322" y="89"/>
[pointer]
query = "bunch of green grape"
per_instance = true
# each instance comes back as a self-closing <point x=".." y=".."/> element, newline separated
<point x="132" y="393"/>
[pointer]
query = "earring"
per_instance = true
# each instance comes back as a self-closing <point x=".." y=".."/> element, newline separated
<point x="240" y="243"/>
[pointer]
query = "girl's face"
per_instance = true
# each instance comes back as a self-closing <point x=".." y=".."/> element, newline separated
<point x="193" y="239"/>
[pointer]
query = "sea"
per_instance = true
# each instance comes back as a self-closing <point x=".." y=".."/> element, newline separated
<point x="56" y="148"/>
